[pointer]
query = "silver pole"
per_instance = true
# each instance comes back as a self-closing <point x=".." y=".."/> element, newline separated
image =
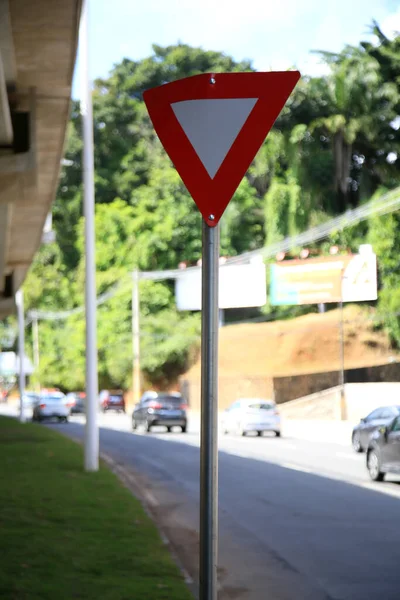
<point x="91" y="429"/>
<point x="341" y="370"/>
<point x="19" y="300"/>
<point x="209" y="412"/>
<point x="135" y="338"/>
<point x="36" y="355"/>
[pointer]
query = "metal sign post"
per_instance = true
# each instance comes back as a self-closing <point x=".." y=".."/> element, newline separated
<point x="211" y="126"/>
<point x="209" y="415"/>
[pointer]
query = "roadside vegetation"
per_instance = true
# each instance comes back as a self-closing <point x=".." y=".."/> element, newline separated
<point x="71" y="534"/>
<point x="335" y="146"/>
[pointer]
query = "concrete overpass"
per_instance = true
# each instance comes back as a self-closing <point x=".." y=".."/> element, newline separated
<point x="38" y="44"/>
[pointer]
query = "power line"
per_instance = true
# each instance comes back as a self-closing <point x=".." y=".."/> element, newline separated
<point x="61" y="315"/>
<point x="386" y="204"/>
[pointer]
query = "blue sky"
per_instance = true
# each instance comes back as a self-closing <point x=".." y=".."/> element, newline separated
<point x="274" y="34"/>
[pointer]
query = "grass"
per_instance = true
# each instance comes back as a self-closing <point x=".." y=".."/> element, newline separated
<point x="66" y="534"/>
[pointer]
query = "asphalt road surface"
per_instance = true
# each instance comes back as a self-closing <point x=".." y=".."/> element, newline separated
<point x="298" y="519"/>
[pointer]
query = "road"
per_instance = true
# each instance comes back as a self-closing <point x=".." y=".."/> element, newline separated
<point x="298" y="520"/>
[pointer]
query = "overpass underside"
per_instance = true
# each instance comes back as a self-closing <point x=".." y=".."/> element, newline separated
<point x="38" y="43"/>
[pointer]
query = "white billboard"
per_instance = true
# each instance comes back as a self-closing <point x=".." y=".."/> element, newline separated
<point x="9" y="364"/>
<point x="240" y="286"/>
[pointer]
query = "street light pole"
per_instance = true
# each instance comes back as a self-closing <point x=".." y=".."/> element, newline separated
<point x="91" y="429"/>
<point x="135" y="338"/>
<point x="36" y="355"/>
<point x="19" y="300"/>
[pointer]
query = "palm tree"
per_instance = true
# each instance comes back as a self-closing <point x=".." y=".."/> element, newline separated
<point x="358" y="103"/>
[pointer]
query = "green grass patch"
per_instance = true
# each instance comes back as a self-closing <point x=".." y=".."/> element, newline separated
<point x="66" y="534"/>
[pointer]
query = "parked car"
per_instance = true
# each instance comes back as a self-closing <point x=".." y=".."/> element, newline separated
<point x="252" y="414"/>
<point x="77" y="401"/>
<point x="164" y="408"/>
<point x="51" y="405"/>
<point x="383" y="453"/>
<point x="362" y="432"/>
<point x="112" y="400"/>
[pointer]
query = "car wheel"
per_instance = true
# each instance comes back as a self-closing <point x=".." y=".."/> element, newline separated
<point x="134" y="424"/>
<point x="147" y="427"/>
<point x="184" y="428"/>
<point x="169" y="429"/>
<point x="356" y="442"/>
<point x="277" y="433"/>
<point x="260" y="433"/>
<point x="374" y="466"/>
<point x="241" y="430"/>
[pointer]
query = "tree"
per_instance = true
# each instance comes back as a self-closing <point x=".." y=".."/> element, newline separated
<point x="333" y="145"/>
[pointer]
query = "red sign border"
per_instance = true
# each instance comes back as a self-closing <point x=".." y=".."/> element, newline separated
<point x="213" y="195"/>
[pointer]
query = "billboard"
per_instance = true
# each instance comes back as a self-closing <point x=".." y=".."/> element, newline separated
<point x="240" y="286"/>
<point x="9" y="364"/>
<point x="349" y="278"/>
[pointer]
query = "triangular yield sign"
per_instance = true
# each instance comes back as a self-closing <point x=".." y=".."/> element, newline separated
<point x="212" y="126"/>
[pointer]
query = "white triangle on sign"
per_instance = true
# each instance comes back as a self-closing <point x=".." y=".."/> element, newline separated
<point x="212" y="126"/>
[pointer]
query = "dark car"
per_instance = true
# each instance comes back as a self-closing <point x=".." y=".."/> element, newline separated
<point x="112" y="400"/>
<point x="77" y="401"/>
<point x="383" y="454"/>
<point x="363" y="431"/>
<point x="163" y="408"/>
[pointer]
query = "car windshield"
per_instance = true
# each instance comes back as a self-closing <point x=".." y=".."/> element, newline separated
<point x="171" y="399"/>
<point x="52" y="398"/>
<point x="263" y="405"/>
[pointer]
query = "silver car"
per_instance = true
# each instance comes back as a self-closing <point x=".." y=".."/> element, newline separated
<point x="52" y="405"/>
<point x="252" y="414"/>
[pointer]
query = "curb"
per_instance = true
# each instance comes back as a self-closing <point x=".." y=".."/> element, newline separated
<point x="148" y="502"/>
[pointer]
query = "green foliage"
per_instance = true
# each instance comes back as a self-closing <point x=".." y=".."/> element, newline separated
<point x="333" y="146"/>
<point x="54" y="513"/>
<point x="384" y="235"/>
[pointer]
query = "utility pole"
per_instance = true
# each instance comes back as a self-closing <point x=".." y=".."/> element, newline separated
<point x="36" y="355"/>
<point x="19" y="300"/>
<point x="135" y="338"/>
<point x="341" y="352"/>
<point x="92" y="387"/>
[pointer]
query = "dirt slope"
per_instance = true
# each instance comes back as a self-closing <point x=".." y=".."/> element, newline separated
<point x="304" y="345"/>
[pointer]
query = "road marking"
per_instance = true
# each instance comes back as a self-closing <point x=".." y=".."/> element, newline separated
<point x="150" y="498"/>
<point x="294" y="467"/>
<point x="382" y="488"/>
<point x="345" y="455"/>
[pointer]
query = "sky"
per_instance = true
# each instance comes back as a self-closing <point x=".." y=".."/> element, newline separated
<point x="273" y="34"/>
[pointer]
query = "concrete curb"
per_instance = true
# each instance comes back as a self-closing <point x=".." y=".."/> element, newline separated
<point x="149" y="502"/>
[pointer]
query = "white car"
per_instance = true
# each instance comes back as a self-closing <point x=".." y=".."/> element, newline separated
<point x="51" y="405"/>
<point x="252" y="414"/>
